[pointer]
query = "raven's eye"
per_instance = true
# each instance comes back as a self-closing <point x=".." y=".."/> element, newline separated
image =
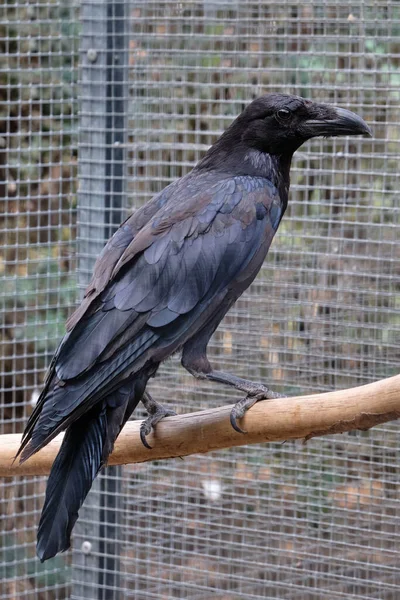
<point x="283" y="114"/>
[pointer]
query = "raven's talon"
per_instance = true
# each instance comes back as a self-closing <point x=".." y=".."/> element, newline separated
<point x="240" y="409"/>
<point x="157" y="413"/>
<point x="144" y="432"/>
<point x="244" y="404"/>
<point x="234" y="423"/>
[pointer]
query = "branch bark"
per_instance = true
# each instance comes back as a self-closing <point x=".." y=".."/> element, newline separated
<point x="268" y="421"/>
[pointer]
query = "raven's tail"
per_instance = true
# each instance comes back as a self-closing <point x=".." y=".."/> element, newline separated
<point x="85" y="449"/>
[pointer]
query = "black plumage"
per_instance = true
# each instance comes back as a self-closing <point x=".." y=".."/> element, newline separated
<point x="162" y="284"/>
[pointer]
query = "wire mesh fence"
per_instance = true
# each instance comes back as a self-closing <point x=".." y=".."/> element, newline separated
<point x="38" y="144"/>
<point x="158" y="82"/>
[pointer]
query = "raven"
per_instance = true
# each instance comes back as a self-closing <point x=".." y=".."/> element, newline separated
<point x="162" y="284"/>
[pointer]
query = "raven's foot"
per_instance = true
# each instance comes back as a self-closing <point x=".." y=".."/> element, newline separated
<point x="254" y="393"/>
<point x="257" y="393"/>
<point x="157" y="412"/>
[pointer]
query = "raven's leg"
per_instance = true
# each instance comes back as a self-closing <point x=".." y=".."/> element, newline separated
<point x="156" y="413"/>
<point x="194" y="359"/>
<point x="255" y="392"/>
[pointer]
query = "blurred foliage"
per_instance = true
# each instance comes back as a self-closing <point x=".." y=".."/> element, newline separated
<point x="38" y="107"/>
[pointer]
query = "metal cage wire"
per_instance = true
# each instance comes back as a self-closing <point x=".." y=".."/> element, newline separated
<point x="38" y="158"/>
<point x="158" y="82"/>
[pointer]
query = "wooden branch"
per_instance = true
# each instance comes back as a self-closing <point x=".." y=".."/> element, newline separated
<point x="268" y="421"/>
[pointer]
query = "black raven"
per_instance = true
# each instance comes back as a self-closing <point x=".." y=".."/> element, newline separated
<point x="162" y="284"/>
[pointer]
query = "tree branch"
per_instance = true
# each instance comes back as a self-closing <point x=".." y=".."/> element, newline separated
<point x="268" y="421"/>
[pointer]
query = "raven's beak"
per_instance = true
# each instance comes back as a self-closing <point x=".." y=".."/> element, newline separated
<point x="339" y="121"/>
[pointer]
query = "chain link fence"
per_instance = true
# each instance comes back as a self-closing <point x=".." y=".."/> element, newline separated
<point x="158" y="82"/>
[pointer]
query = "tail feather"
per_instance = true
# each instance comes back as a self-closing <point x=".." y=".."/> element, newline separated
<point x="71" y="477"/>
<point x="85" y="449"/>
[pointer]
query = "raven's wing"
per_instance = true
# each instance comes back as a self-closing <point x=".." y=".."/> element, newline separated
<point x="189" y="254"/>
<point x="116" y="247"/>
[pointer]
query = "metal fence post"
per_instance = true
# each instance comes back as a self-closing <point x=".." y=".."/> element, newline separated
<point x="101" y="189"/>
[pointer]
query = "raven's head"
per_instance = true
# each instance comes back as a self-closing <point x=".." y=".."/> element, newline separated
<point x="279" y="124"/>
